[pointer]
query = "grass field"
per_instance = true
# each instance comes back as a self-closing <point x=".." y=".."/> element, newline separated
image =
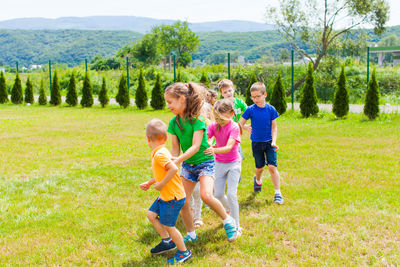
<point x="69" y="192"/>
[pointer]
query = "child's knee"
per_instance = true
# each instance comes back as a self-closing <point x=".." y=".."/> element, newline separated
<point x="272" y="169"/>
<point x="206" y="197"/>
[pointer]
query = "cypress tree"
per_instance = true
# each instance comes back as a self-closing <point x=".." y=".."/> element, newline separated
<point x="87" y="95"/>
<point x="3" y="89"/>
<point x="141" y="94"/>
<point x="55" y="96"/>
<point x="16" y="91"/>
<point x="253" y="79"/>
<point x="123" y="95"/>
<point x="341" y="101"/>
<point x="278" y="96"/>
<point x="371" y="107"/>
<point x="29" y="92"/>
<point x="103" y="96"/>
<point x="204" y="79"/>
<point x="308" y="103"/>
<point x="42" y="94"/>
<point x="157" y="97"/>
<point x="72" y="96"/>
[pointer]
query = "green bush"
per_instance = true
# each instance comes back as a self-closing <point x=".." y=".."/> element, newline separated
<point x="29" y="92"/>
<point x="103" y="95"/>
<point x="3" y="89"/>
<point x="87" y="95"/>
<point x="308" y="103"/>
<point x="278" y="98"/>
<point x="371" y="107"/>
<point x="16" y="91"/>
<point x="122" y="97"/>
<point x="72" y="96"/>
<point x="253" y="79"/>
<point x="141" y="94"/>
<point x="55" y="96"/>
<point x="42" y="94"/>
<point x="341" y="101"/>
<point x="157" y="96"/>
<point x="204" y="79"/>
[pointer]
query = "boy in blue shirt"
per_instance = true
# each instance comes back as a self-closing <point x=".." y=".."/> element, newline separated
<point x="264" y="132"/>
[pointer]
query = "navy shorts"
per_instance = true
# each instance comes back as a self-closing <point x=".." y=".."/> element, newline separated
<point x="194" y="172"/>
<point x="168" y="211"/>
<point x="264" y="154"/>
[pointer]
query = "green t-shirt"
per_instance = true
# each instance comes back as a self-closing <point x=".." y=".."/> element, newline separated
<point x="185" y="137"/>
<point x="239" y="107"/>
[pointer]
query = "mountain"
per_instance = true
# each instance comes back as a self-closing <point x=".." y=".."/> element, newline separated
<point x="130" y="23"/>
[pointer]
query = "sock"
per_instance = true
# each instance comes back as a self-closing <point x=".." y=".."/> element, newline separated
<point x="228" y="219"/>
<point x="167" y="240"/>
<point x="259" y="182"/>
<point x="192" y="234"/>
<point x="278" y="192"/>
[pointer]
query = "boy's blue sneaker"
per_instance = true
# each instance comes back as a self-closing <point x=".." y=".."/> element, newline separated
<point x="257" y="187"/>
<point x="189" y="239"/>
<point x="278" y="199"/>
<point x="163" y="247"/>
<point x="231" y="231"/>
<point x="180" y="256"/>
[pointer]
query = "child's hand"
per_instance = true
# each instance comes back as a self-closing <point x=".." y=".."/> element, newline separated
<point x="145" y="186"/>
<point x="248" y="128"/>
<point x="158" y="186"/>
<point x="209" y="151"/>
<point x="275" y="146"/>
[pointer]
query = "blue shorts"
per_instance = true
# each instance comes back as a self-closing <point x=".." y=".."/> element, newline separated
<point x="262" y="151"/>
<point x="194" y="172"/>
<point x="168" y="211"/>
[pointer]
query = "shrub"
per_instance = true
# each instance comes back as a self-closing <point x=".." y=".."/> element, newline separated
<point x="42" y="94"/>
<point x="253" y="79"/>
<point x="3" y="89"/>
<point x="55" y="96"/>
<point x="103" y="96"/>
<point x="341" y="102"/>
<point x="308" y="103"/>
<point x="29" y="92"/>
<point x="278" y="98"/>
<point x="204" y="79"/>
<point x="87" y="94"/>
<point x="157" y="96"/>
<point x="122" y="97"/>
<point x="16" y="91"/>
<point x="72" y="96"/>
<point x="141" y="94"/>
<point x="371" y="107"/>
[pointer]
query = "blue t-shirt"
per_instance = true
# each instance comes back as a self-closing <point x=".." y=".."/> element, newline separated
<point x="260" y="121"/>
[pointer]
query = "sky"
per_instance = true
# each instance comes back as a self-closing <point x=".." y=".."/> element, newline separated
<point x="190" y="10"/>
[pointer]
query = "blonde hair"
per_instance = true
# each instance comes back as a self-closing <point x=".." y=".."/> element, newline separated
<point x="194" y="95"/>
<point x="258" y="86"/>
<point x="225" y="83"/>
<point x="156" y="129"/>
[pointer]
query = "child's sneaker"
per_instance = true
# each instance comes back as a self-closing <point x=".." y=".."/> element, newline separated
<point x="180" y="257"/>
<point x="198" y="223"/>
<point x="189" y="239"/>
<point x="163" y="247"/>
<point x="231" y="231"/>
<point x="278" y="199"/>
<point x="239" y="231"/>
<point x="257" y="187"/>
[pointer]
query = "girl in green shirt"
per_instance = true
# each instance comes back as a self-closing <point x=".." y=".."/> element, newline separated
<point x="188" y="132"/>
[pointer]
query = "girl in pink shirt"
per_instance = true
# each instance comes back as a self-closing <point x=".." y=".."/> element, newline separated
<point x="228" y="162"/>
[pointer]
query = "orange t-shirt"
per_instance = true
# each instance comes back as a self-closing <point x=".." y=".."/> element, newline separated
<point x="160" y="157"/>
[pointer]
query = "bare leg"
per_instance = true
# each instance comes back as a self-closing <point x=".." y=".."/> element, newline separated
<point x="206" y="192"/>
<point x="258" y="173"/>
<point x="274" y="176"/>
<point x="153" y="218"/>
<point x="176" y="237"/>
<point x="186" y="211"/>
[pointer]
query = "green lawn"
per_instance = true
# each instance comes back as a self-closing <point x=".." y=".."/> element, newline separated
<point x="69" y="192"/>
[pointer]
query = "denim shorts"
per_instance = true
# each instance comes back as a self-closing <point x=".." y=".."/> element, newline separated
<point x="193" y="172"/>
<point x="168" y="211"/>
<point x="262" y="151"/>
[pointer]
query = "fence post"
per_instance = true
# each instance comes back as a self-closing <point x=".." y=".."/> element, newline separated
<point x="174" y="70"/>
<point x="86" y="64"/>
<point x="292" y="79"/>
<point x="229" y="66"/>
<point x="127" y="72"/>
<point x="50" y="74"/>
<point x="16" y="64"/>
<point x="367" y="66"/>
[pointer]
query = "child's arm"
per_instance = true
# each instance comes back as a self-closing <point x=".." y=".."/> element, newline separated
<point x="242" y="123"/>
<point x="274" y="133"/>
<point x="196" y="142"/>
<point x="146" y="185"/>
<point x="176" y="147"/>
<point x="172" y="169"/>
<point x="221" y="150"/>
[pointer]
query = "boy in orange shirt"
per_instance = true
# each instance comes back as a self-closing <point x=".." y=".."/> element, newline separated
<point x="165" y="209"/>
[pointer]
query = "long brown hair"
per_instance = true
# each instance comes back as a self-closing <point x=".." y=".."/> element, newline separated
<point x="194" y="95"/>
<point x="224" y="106"/>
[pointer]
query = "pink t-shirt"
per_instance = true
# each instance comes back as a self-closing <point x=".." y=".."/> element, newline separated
<point x="231" y="130"/>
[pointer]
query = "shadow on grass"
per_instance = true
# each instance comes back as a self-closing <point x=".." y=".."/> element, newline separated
<point x="252" y="202"/>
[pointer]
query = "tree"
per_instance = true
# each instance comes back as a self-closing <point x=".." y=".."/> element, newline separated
<point x="87" y="94"/>
<point x="42" y="94"/>
<point x="29" y="92"/>
<point x="314" y="23"/>
<point x="371" y="107"/>
<point x="308" y="103"/>
<point x="253" y="79"/>
<point x="103" y="96"/>
<point x="72" y="96"/>
<point x="177" y="38"/>
<point x="55" y="96"/>
<point x="278" y="96"/>
<point x="341" y="101"/>
<point x="157" y="96"/>
<point x="204" y="79"/>
<point x="141" y="95"/>
<point x="16" y="91"/>
<point x="123" y="94"/>
<point x="3" y="89"/>
<point x="179" y="76"/>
